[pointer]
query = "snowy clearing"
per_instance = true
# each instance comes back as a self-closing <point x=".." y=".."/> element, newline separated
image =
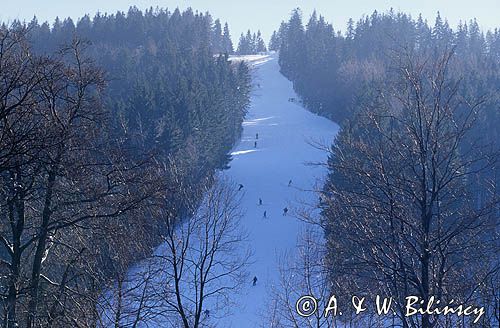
<point x="277" y="134"/>
<point x="285" y="131"/>
<point x="254" y="60"/>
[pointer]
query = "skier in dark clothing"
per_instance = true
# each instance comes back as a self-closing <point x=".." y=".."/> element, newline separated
<point x="240" y="187"/>
<point x="255" y="144"/>
<point x="254" y="281"/>
<point x="265" y="214"/>
<point x="256" y="136"/>
<point x="260" y="201"/>
<point x="207" y="313"/>
<point x="290" y="183"/>
<point x="285" y="210"/>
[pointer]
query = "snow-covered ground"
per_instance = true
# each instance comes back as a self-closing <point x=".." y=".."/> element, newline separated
<point x="251" y="59"/>
<point x="264" y="165"/>
<point x="285" y="132"/>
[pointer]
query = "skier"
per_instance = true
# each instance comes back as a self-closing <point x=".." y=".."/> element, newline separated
<point x="289" y="182"/>
<point x="255" y="144"/>
<point x="265" y="214"/>
<point x="285" y="210"/>
<point x="256" y="136"/>
<point x="260" y="201"/>
<point x="240" y="187"/>
<point x="207" y="313"/>
<point x="254" y="281"/>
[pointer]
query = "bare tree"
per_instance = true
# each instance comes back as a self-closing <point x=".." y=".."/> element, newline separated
<point x="19" y="76"/>
<point x="205" y="258"/>
<point x="60" y="175"/>
<point x="199" y="266"/>
<point x="400" y="212"/>
<point x="303" y="274"/>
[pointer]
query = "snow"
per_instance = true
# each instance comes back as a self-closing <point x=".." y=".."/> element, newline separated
<point x="254" y="60"/>
<point x="243" y="152"/>
<point x="285" y="132"/>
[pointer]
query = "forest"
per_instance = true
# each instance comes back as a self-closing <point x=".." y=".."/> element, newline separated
<point x="410" y="205"/>
<point x="111" y="131"/>
<point x="117" y="132"/>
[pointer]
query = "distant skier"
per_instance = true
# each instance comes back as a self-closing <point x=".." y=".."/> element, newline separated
<point x="290" y="183"/>
<point x="260" y="201"/>
<point x="265" y="214"/>
<point x="254" y="281"/>
<point x="285" y="210"/>
<point x="257" y="136"/>
<point x="207" y="313"/>
<point x="240" y="187"/>
<point x="255" y="144"/>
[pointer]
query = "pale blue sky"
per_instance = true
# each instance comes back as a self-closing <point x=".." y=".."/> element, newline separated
<point x="263" y="14"/>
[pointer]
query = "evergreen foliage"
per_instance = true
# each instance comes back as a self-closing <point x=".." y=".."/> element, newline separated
<point x="166" y="88"/>
<point x="111" y="130"/>
<point x="334" y="73"/>
<point x="251" y="44"/>
<point x="419" y="108"/>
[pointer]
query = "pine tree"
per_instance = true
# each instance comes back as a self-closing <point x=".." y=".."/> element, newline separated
<point x="260" y="45"/>
<point x="274" y="42"/>
<point x="227" y="44"/>
<point x="292" y="56"/>
<point x="350" y="29"/>
<point x="242" y="45"/>
<point x="217" y="46"/>
<point x="250" y="41"/>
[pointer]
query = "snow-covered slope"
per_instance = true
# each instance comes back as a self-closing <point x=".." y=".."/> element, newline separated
<point x="285" y="131"/>
<point x="251" y="59"/>
<point x="282" y="150"/>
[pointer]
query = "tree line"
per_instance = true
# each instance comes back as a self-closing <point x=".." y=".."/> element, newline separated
<point x="111" y="131"/>
<point x="410" y="205"/>
<point x="251" y="44"/>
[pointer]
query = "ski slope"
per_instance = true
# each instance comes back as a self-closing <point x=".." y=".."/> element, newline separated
<point x="285" y="132"/>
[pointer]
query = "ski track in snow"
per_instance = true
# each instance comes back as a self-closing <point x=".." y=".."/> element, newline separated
<point x="285" y="131"/>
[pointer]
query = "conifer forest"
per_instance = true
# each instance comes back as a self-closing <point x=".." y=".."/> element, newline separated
<point x="160" y="167"/>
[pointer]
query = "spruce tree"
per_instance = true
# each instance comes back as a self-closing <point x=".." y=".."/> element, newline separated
<point x="250" y="42"/>
<point x="227" y="44"/>
<point x="217" y="45"/>
<point x="242" y="45"/>
<point x="259" y="43"/>
<point x="274" y="43"/>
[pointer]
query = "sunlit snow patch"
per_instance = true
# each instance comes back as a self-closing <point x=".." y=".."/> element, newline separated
<point x="243" y="152"/>
<point x="256" y="121"/>
<point x="254" y="60"/>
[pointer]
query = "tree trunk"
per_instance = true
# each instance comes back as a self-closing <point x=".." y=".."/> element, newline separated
<point x="17" y="226"/>
<point x="40" y="251"/>
<point x="425" y="266"/>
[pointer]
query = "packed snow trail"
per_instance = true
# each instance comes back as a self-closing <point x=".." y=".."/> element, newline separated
<point x="285" y="132"/>
<point x="269" y="165"/>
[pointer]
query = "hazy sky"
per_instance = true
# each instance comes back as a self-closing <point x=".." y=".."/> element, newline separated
<point x="263" y="14"/>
